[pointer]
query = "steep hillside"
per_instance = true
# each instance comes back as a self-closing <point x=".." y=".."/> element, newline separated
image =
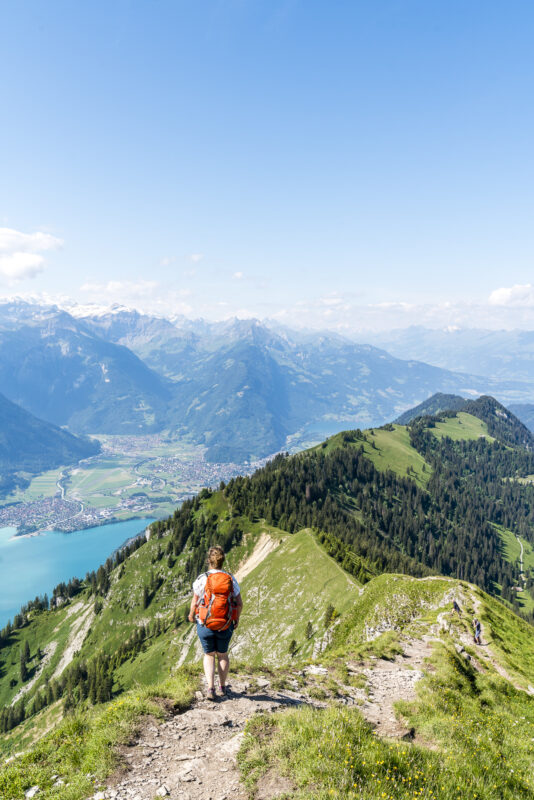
<point x="30" y="445"/>
<point x="287" y="595"/>
<point x="524" y="412"/>
<point x="55" y="367"/>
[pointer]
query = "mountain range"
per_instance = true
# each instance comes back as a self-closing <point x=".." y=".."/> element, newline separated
<point x="241" y="388"/>
<point x="500" y="354"/>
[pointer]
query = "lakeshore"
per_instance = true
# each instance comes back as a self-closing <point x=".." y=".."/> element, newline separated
<point x="33" y="565"/>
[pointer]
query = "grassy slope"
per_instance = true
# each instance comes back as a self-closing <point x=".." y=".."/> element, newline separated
<point x="392" y="451"/>
<point x="474" y="730"/>
<point x="462" y="426"/>
<point x="511" y="552"/>
<point x="81" y="750"/>
<point x="291" y="587"/>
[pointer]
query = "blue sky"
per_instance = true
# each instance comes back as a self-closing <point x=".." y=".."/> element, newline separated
<point x="338" y="164"/>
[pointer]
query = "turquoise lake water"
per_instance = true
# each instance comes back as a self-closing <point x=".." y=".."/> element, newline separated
<point x="33" y="566"/>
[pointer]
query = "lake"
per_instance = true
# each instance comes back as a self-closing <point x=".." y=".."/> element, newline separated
<point x="33" y="566"/>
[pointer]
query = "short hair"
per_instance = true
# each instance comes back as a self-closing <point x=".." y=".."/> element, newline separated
<point x="215" y="557"/>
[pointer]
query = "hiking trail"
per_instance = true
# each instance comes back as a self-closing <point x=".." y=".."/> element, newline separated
<point x="193" y="755"/>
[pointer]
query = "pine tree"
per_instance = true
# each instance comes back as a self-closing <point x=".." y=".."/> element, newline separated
<point x="23" y="668"/>
<point x="328" y="615"/>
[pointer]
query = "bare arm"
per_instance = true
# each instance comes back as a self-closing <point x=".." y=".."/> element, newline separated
<point x="238" y="608"/>
<point x="192" y="609"/>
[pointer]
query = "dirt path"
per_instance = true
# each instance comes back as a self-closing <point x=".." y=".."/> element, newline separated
<point x="192" y="756"/>
<point x="521" y="573"/>
<point x="391" y="681"/>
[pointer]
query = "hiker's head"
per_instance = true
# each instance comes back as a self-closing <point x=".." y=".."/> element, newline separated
<point x="215" y="557"/>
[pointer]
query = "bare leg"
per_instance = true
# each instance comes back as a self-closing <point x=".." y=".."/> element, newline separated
<point x="209" y="669"/>
<point x="223" y="666"/>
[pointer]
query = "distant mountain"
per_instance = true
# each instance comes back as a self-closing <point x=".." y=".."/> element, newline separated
<point x="501" y="422"/>
<point x="30" y="445"/>
<point x="503" y="355"/>
<point x="524" y="412"/>
<point x="432" y="406"/>
<point x="241" y="388"/>
<point x="54" y="366"/>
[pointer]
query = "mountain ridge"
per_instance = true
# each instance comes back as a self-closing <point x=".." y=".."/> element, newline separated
<point x="29" y="446"/>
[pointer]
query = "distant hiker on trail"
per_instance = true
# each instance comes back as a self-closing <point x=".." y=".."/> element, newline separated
<point x="478" y="631"/>
<point x="216" y="607"/>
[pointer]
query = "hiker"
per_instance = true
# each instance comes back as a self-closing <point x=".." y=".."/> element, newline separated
<point x="216" y="606"/>
<point x="478" y="631"/>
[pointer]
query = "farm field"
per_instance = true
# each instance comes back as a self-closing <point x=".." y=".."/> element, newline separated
<point x="132" y="477"/>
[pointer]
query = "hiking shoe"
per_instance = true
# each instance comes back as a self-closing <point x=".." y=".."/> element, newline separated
<point x="211" y="695"/>
<point x="224" y="691"/>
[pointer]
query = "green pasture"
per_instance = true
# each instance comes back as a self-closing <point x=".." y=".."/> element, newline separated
<point x="43" y="485"/>
<point x="388" y="448"/>
<point x="462" y="426"/>
<point x="394" y="452"/>
<point x="511" y="552"/>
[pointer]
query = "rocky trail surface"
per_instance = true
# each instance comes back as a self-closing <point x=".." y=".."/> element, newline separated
<point x="193" y="755"/>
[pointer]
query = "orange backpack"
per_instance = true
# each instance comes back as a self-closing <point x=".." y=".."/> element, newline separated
<point x="216" y="609"/>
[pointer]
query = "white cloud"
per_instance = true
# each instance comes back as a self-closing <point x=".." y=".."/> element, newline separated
<point x="518" y="295"/>
<point x="20" y="253"/>
<point x="238" y="275"/>
<point x="18" y="266"/>
<point x="12" y="241"/>
<point x="196" y="257"/>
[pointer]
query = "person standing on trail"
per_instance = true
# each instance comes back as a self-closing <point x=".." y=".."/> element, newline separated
<point x="216" y="607"/>
<point x="478" y="631"/>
